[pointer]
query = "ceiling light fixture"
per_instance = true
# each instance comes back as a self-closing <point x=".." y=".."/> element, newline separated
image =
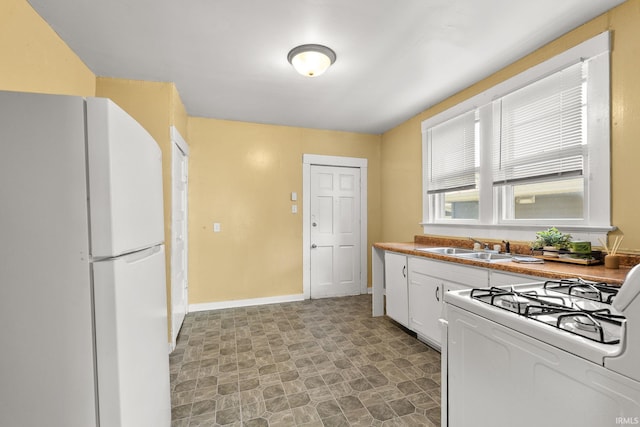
<point x="311" y="60"/>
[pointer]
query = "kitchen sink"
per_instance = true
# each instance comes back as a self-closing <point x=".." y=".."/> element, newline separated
<point x="468" y="254"/>
<point x="486" y="256"/>
<point x="446" y="251"/>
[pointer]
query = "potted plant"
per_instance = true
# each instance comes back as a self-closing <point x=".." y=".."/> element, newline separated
<point x="550" y="241"/>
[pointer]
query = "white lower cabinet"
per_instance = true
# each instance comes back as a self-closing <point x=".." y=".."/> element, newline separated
<point x="428" y="281"/>
<point x="396" y="291"/>
<point x="425" y="301"/>
<point x="415" y="288"/>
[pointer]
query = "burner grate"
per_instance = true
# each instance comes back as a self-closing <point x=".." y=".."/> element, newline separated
<point x="595" y="291"/>
<point x="598" y="325"/>
<point x="590" y="324"/>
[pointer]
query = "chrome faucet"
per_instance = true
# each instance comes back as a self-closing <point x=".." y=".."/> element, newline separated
<point x="484" y="245"/>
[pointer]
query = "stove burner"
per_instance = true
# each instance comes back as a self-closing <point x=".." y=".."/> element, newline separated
<point x="586" y="323"/>
<point x="586" y="292"/>
<point x="513" y="302"/>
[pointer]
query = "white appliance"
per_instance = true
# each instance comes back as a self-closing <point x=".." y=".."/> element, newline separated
<point x="83" y="315"/>
<point x="557" y="353"/>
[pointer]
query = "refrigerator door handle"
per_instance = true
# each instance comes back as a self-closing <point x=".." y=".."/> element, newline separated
<point x="134" y="257"/>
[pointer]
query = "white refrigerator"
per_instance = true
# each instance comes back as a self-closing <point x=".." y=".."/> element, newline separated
<point x="83" y="314"/>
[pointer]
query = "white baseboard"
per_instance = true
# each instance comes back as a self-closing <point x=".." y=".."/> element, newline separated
<point x="245" y="302"/>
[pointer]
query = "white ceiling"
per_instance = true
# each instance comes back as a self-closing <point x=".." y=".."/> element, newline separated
<point x="228" y="58"/>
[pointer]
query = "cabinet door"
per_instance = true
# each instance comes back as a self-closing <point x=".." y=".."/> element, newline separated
<point x="425" y="301"/>
<point x="460" y="273"/>
<point x="395" y="278"/>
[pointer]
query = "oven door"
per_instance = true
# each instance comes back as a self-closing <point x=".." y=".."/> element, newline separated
<point x="496" y="376"/>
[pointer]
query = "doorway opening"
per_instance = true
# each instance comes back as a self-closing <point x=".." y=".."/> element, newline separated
<point x="179" y="224"/>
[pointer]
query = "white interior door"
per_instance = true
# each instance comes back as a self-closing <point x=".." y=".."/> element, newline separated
<point x="335" y="231"/>
<point x="179" y="283"/>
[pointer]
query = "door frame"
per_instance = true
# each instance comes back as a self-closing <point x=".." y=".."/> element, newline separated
<point x="318" y="160"/>
<point x="178" y="141"/>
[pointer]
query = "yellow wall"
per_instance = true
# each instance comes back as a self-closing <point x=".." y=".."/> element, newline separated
<point x="179" y="115"/>
<point x="242" y="175"/>
<point x="625" y="123"/>
<point x="402" y="146"/>
<point x="401" y="190"/>
<point x="34" y="59"/>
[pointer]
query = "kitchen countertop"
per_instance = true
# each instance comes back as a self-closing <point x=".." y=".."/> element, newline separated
<point x="549" y="269"/>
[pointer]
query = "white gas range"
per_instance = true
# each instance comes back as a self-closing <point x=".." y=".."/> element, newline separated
<point x="556" y="353"/>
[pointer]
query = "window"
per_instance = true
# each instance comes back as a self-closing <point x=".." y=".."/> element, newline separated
<point x="555" y="199"/>
<point x="452" y="167"/>
<point x="541" y="148"/>
<point x="532" y="151"/>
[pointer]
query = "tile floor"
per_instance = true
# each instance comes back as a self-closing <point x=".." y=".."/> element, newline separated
<point x="314" y="363"/>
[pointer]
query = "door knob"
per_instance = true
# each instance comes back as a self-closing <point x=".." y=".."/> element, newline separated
<point x="314" y="224"/>
<point x="313" y="246"/>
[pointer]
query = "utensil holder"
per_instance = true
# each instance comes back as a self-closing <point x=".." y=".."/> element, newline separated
<point x="611" y="261"/>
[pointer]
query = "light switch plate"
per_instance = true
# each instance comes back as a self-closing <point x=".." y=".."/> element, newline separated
<point x="294" y="208"/>
<point x="216" y="227"/>
<point x="294" y="196"/>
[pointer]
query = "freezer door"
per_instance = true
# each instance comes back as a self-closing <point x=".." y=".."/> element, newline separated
<point x="125" y="182"/>
<point x="131" y="340"/>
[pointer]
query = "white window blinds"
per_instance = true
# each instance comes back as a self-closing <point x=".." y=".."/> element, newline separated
<point x="542" y="129"/>
<point x="452" y="155"/>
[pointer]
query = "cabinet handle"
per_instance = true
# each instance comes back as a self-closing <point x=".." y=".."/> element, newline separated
<point x="404" y="271"/>
<point x="438" y="293"/>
